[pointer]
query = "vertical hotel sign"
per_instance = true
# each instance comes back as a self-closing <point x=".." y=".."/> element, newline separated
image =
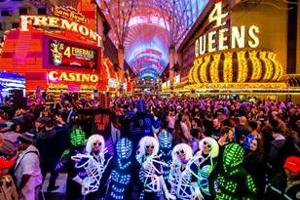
<point x="218" y="40"/>
<point x="75" y="23"/>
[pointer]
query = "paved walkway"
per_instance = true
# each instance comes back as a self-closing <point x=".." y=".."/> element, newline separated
<point x="58" y="194"/>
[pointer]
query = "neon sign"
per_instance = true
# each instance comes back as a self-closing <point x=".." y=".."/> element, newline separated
<point x="177" y="79"/>
<point x="67" y="54"/>
<point x="72" y="77"/>
<point x="56" y="22"/>
<point x="69" y="13"/>
<point x="217" y="39"/>
<point x="113" y="83"/>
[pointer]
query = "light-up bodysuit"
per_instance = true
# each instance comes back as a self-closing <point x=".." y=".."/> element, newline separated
<point x="150" y="173"/>
<point x="165" y="151"/>
<point x="183" y="175"/>
<point x="140" y="124"/>
<point x="94" y="162"/>
<point x="121" y="173"/>
<point x="233" y="182"/>
<point x="209" y="150"/>
<point x="77" y="139"/>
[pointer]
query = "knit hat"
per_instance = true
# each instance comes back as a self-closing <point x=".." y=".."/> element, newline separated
<point x="292" y="164"/>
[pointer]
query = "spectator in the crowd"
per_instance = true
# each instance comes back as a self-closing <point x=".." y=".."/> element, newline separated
<point x="254" y="163"/>
<point x="241" y="130"/>
<point x="38" y="126"/>
<point x="186" y="128"/>
<point x="226" y="136"/>
<point x="171" y="118"/>
<point x="276" y="157"/>
<point x="178" y="133"/>
<point x="27" y="170"/>
<point x="5" y="123"/>
<point x="296" y="141"/>
<point x="45" y="142"/>
<point x="252" y="127"/>
<point x="215" y="132"/>
<point x="253" y="130"/>
<point x="208" y="123"/>
<point x="186" y="119"/>
<point x="196" y="137"/>
<point x="14" y="133"/>
<point x="286" y="185"/>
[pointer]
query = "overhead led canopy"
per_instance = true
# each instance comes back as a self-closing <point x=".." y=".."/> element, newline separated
<point x="170" y="21"/>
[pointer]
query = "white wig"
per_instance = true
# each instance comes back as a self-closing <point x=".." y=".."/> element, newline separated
<point x="214" y="149"/>
<point x="92" y="139"/>
<point x="145" y="141"/>
<point x="186" y="148"/>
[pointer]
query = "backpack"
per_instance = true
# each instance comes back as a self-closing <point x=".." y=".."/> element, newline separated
<point x="14" y="169"/>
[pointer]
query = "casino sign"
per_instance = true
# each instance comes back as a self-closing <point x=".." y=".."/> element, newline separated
<point x="230" y="58"/>
<point x="55" y="76"/>
<point x="60" y="23"/>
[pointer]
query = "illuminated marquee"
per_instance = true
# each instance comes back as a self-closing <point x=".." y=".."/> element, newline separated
<point x="72" y="77"/>
<point x="217" y="40"/>
<point x="69" y="13"/>
<point x="177" y="79"/>
<point x="113" y="83"/>
<point x="71" y="55"/>
<point x="56" y="22"/>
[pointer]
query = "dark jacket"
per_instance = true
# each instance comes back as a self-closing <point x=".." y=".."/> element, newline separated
<point x="277" y="188"/>
<point x="47" y="144"/>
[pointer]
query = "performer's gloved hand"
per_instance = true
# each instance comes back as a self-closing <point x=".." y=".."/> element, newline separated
<point x="147" y="164"/>
<point x="198" y="193"/>
<point x="60" y="165"/>
<point x="78" y="180"/>
<point x="170" y="196"/>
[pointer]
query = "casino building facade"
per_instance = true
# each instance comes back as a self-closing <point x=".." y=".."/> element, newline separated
<point x="54" y="52"/>
<point x="245" y="47"/>
<point x="61" y="52"/>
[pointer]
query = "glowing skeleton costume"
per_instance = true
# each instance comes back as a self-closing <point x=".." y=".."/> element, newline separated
<point x="182" y="177"/>
<point x="94" y="164"/>
<point x="233" y="182"/>
<point x="209" y="149"/>
<point x="150" y="173"/>
<point x="121" y="173"/>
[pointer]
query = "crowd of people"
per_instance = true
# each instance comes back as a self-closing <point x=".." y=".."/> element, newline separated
<point x="152" y="148"/>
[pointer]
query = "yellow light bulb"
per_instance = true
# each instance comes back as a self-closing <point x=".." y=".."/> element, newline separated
<point x="256" y="66"/>
<point x="227" y="71"/>
<point x="242" y="67"/>
<point x="214" y="68"/>
<point x="196" y="70"/>
<point x="203" y="69"/>
<point x="268" y="66"/>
